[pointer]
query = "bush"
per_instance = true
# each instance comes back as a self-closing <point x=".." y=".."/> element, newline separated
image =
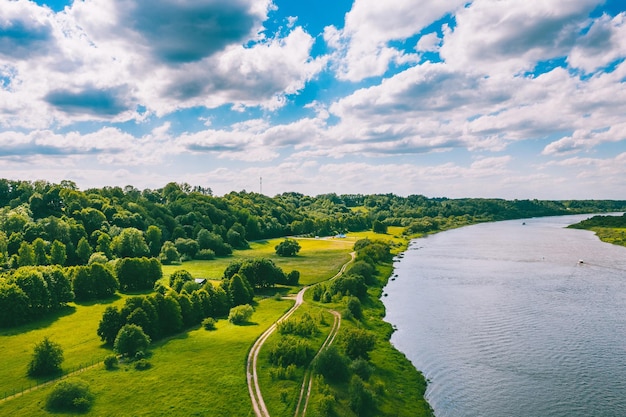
<point x="142" y="365"/>
<point x="361" y="398"/>
<point x="209" y="323"/>
<point x="47" y="359"/>
<point x="358" y="342"/>
<point x="304" y="326"/>
<point x="354" y="306"/>
<point x="130" y="340"/>
<point x="291" y="351"/>
<point x="288" y="247"/>
<point x="70" y="397"/>
<point x="205" y="254"/>
<point x="110" y="362"/>
<point x="361" y="368"/>
<point x="332" y="364"/>
<point x="240" y="314"/>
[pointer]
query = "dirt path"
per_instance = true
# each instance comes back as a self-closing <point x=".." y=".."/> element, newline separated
<point x="258" y="404"/>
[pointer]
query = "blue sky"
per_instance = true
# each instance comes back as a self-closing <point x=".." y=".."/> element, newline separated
<point x="485" y="98"/>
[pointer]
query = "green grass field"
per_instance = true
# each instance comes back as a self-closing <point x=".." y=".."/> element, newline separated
<point x="198" y="373"/>
<point x="318" y="259"/>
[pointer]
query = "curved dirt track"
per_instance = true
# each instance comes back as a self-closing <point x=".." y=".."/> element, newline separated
<point x="258" y="404"/>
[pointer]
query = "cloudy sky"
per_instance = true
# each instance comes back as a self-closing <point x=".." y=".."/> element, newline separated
<point x="456" y="98"/>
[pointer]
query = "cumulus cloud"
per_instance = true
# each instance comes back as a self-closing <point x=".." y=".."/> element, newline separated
<point x="101" y="59"/>
<point x="363" y="46"/>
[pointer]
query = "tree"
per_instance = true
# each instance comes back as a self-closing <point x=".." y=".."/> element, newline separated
<point x="293" y="277"/>
<point x="238" y="291"/>
<point x="288" y="247"/>
<point x="136" y="274"/>
<point x="169" y="253"/>
<point x="25" y="255"/>
<point x="104" y="245"/>
<point x="39" y="250"/>
<point x="358" y="342"/>
<point x="130" y="340"/>
<point x="31" y="281"/>
<point x="47" y="359"/>
<point x="332" y="364"/>
<point x="14" y="304"/>
<point x="186" y="247"/>
<point x="179" y="278"/>
<point x="361" y="398"/>
<point x="58" y="253"/>
<point x="153" y="240"/>
<point x="110" y="325"/>
<point x="379" y="227"/>
<point x="83" y="251"/>
<point x="130" y="243"/>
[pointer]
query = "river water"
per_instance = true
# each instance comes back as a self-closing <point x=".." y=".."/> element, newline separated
<point x="504" y="321"/>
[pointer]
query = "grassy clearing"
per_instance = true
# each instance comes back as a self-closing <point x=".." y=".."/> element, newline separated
<point x="74" y="329"/>
<point x="198" y="373"/>
<point x="318" y="259"/>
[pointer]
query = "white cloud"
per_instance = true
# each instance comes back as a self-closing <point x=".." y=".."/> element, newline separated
<point x="363" y="48"/>
<point x="492" y="37"/>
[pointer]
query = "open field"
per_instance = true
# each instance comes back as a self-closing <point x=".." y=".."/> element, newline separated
<point x="196" y="373"/>
<point x="318" y="259"/>
<point x="74" y="329"/>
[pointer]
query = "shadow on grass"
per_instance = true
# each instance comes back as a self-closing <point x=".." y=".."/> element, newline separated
<point x="89" y="303"/>
<point x="41" y="323"/>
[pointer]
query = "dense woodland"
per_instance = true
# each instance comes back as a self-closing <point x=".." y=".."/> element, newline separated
<point x="58" y="243"/>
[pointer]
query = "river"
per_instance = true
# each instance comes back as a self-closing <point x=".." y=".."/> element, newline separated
<point x="504" y="320"/>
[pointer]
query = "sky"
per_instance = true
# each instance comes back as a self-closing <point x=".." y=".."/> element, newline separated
<point x="456" y="98"/>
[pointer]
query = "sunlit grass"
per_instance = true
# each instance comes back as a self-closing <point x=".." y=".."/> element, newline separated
<point x="74" y="329"/>
<point x="196" y="373"/>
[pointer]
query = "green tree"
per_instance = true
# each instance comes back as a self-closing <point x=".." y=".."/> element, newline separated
<point x="47" y="359"/>
<point x="130" y="243"/>
<point x="153" y="240"/>
<point x="14" y="304"/>
<point x="83" y="251"/>
<point x="130" y="340"/>
<point x="31" y="281"/>
<point x="379" y="227"/>
<point x="288" y="247"/>
<point x="104" y="245"/>
<point x="110" y="325"/>
<point x="58" y="254"/>
<point x="179" y="278"/>
<point x="169" y="253"/>
<point x="332" y="364"/>
<point x="25" y="255"/>
<point x="238" y="291"/>
<point x="361" y="398"/>
<point x="39" y="250"/>
<point x="358" y="342"/>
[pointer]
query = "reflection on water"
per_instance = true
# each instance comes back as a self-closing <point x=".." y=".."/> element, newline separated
<point x="504" y="320"/>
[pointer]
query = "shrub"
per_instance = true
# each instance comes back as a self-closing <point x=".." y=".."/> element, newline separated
<point x="110" y="362"/>
<point x="47" y="358"/>
<point x="332" y="364"/>
<point x="304" y="326"/>
<point x="358" y="342"/>
<point x="142" y="365"/>
<point x="288" y="247"/>
<point x="354" y="306"/>
<point x="290" y="350"/>
<point x="361" y="368"/>
<point x="70" y="397"/>
<point x="240" y="314"/>
<point x="361" y="398"/>
<point x="130" y="340"/>
<point x="205" y="254"/>
<point x="209" y="323"/>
